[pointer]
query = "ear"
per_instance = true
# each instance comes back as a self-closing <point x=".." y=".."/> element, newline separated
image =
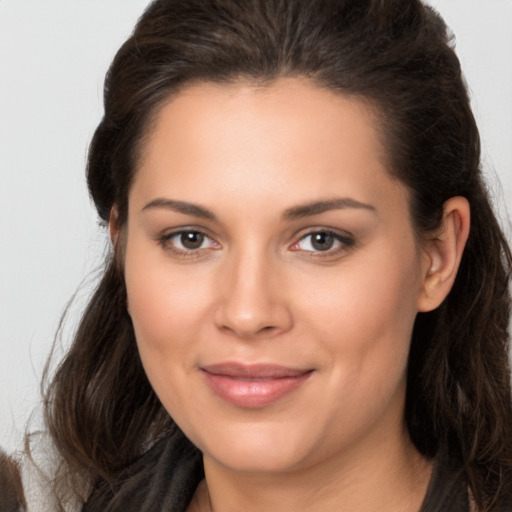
<point x="443" y="252"/>
<point x="113" y="226"/>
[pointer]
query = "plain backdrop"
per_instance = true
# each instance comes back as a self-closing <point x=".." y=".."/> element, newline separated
<point x="53" y="57"/>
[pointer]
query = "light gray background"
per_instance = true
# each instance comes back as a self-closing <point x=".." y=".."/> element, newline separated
<point x="53" y="57"/>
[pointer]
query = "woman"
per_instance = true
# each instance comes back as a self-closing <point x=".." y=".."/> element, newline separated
<point x="307" y="303"/>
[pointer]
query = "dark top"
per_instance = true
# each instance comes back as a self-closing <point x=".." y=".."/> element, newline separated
<point x="165" y="479"/>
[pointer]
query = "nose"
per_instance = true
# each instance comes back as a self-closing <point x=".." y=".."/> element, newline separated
<point x="252" y="298"/>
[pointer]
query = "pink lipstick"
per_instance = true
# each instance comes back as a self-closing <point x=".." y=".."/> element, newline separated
<point x="253" y="386"/>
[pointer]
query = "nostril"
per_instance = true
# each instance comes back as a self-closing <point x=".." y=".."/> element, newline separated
<point x="251" y="311"/>
<point x="247" y="332"/>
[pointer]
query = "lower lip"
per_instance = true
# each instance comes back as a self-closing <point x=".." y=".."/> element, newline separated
<point x="253" y="393"/>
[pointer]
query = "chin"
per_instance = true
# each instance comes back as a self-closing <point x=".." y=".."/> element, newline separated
<point x="260" y="448"/>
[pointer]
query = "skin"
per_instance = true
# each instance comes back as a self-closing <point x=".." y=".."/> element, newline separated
<point x="257" y="290"/>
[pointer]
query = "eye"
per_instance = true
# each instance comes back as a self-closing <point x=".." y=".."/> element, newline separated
<point x="187" y="241"/>
<point x="323" y="241"/>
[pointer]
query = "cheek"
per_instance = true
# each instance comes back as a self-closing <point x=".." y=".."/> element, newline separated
<point x="368" y="299"/>
<point x="164" y="310"/>
<point x="164" y="304"/>
<point x="365" y="314"/>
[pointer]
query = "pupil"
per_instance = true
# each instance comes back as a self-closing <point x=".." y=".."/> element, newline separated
<point x="192" y="240"/>
<point x="322" y="241"/>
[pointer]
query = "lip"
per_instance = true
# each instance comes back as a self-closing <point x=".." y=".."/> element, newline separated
<point x="253" y="386"/>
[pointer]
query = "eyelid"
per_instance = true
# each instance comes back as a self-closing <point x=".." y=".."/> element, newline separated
<point x="165" y="241"/>
<point x="345" y="241"/>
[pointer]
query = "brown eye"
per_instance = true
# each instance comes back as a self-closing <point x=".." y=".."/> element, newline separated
<point x="191" y="239"/>
<point x="322" y="241"/>
<point x="187" y="242"/>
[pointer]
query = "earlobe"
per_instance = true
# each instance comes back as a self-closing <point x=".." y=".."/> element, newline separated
<point x="443" y="253"/>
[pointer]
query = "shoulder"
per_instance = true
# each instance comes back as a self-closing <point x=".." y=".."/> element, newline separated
<point x="164" y="478"/>
<point x="449" y="489"/>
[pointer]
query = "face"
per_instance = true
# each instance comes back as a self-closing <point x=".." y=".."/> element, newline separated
<point x="273" y="275"/>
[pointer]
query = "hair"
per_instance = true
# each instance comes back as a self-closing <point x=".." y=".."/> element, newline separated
<point x="12" y="498"/>
<point x="397" y="55"/>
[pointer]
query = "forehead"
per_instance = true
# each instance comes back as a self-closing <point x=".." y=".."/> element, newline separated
<point x="286" y="103"/>
<point x="246" y="139"/>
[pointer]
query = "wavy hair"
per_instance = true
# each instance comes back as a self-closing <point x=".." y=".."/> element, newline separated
<point x="395" y="54"/>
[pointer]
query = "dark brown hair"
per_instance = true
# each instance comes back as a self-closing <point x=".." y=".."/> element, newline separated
<point x="396" y="55"/>
<point x="12" y="498"/>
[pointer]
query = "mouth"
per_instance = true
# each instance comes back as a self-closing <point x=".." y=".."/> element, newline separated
<point x="253" y="386"/>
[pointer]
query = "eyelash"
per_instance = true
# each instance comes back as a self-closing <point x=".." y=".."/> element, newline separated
<point x="165" y="241"/>
<point x="342" y="243"/>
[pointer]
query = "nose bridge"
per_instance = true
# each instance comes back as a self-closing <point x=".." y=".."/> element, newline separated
<point x="252" y="300"/>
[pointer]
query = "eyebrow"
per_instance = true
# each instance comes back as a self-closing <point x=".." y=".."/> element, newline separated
<point x="317" y="207"/>
<point x="295" y="212"/>
<point x="181" y="207"/>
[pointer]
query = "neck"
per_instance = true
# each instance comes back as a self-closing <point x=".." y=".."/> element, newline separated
<point x="394" y="477"/>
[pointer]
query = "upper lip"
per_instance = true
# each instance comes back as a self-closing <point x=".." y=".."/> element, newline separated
<point x="253" y="371"/>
